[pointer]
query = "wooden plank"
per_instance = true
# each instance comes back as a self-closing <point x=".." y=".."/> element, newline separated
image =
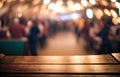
<point x="58" y="59"/>
<point x="117" y="56"/>
<point x="109" y="69"/>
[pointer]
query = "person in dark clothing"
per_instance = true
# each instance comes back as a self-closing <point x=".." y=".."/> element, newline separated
<point x="33" y="38"/>
<point x="105" y="45"/>
<point x="77" y="31"/>
<point x="118" y="39"/>
<point x="42" y="38"/>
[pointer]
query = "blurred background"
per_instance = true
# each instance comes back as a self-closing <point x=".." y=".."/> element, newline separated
<point x="65" y="27"/>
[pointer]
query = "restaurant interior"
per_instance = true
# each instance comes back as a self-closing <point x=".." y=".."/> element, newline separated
<point x="60" y="38"/>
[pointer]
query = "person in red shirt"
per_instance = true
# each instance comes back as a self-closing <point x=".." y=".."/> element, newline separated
<point x="17" y="30"/>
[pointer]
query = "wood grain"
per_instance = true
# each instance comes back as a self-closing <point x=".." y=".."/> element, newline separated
<point x="93" y="65"/>
<point x="117" y="56"/>
<point x="59" y="59"/>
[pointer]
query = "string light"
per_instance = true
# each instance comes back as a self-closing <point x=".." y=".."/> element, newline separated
<point x="35" y="2"/>
<point x="107" y="12"/>
<point x="59" y="7"/>
<point x="51" y="6"/>
<point x="113" y="0"/>
<point x="46" y="2"/>
<point x="117" y="4"/>
<point x="115" y="20"/>
<point x="89" y="13"/>
<point x="114" y="14"/>
<point x="93" y="2"/>
<point x="84" y="2"/>
<point x="98" y="13"/>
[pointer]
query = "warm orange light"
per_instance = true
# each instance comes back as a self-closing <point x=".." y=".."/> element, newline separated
<point x="35" y="9"/>
<point x="118" y="20"/>
<point x="25" y="7"/>
<point x="59" y="2"/>
<point x="107" y="12"/>
<point x="69" y="2"/>
<point x="114" y="14"/>
<point x="35" y="2"/>
<point x="9" y="1"/>
<point x="19" y="9"/>
<point x="98" y="13"/>
<point x="115" y="21"/>
<point x="104" y="2"/>
<point x="22" y="0"/>
<point x="1" y="4"/>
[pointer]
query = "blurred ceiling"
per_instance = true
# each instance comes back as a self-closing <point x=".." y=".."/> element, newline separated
<point x="49" y="8"/>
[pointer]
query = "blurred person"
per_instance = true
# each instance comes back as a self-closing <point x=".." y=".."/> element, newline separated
<point x="33" y="37"/>
<point x="105" y="46"/>
<point x="4" y="31"/>
<point x="17" y="30"/>
<point x="44" y="31"/>
<point x="54" y="27"/>
<point x="112" y="36"/>
<point x="118" y="38"/>
<point x="50" y="28"/>
<point x="94" y="30"/>
<point x="22" y="20"/>
<point x="77" y="31"/>
<point x="115" y="37"/>
<point x="28" y="26"/>
<point x="85" y="31"/>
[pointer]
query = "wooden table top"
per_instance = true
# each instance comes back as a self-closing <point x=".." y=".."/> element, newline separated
<point x="60" y="69"/>
<point x="84" y="64"/>
<point x="117" y="56"/>
<point x="58" y="59"/>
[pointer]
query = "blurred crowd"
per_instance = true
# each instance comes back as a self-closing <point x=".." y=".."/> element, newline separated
<point x="29" y="31"/>
<point x="102" y="36"/>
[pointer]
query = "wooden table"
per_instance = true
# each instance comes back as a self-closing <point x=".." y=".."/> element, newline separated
<point x="27" y="66"/>
<point x="117" y="56"/>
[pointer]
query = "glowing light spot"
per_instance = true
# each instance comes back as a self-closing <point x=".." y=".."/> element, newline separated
<point x="89" y="13"/>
